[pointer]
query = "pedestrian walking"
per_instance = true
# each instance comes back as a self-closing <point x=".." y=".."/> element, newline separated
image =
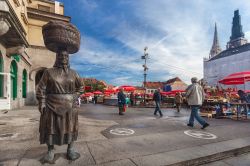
<point x="79" y="101"/>
<point x="178" y="101"/>
<point x="132" y="98"/>
<point x="95" y="99"/>
<point x="157" y="99"/>
<point x="195" y="98"/>
<point x="121" y="102"/>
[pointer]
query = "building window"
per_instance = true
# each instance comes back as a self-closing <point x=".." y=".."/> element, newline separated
<point x="1" y="76"/>
<point x="44" y="8"/>
<point x="24" y="83"/>
<point x="13" y="72"/>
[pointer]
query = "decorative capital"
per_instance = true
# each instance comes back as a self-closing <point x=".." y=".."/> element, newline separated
<point x="4" y="26"/>
<point x="19" y="50"/>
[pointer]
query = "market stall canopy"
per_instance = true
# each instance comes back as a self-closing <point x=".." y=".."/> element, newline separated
<point x="107" y="93"/>
<point x="97" y="92"/>
<point x="110" y="91"/>
<point x="172" y="93"/>
<point x="87" y="94"/>
<point x="236" y="78"/>
<point x="127" y="88"/>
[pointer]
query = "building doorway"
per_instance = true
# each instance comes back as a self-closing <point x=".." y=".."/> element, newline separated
<point x="5" y="102"/>
<point x="24" y="84"/>
<point x="13" y="72"/>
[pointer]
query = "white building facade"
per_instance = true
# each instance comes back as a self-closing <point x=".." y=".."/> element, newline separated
<point x="236" y="58"/>
<point x="227" y="62"/>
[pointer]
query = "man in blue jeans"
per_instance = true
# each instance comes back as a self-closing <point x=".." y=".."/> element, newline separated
<point x="157" y="99"/>
<point x="195" y="98"/>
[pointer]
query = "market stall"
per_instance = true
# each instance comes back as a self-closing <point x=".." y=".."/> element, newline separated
<point x="226" y="102"/>
<point x="110" y="95"/>
<point x="168" y="98"/>
<point x="87" y="97"/>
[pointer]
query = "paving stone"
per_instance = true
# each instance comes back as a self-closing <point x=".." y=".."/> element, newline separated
<point x="156" y="141"/>
<point x="218" y="163"/>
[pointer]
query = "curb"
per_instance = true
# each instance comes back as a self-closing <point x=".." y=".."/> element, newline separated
<point x="213" y="157"/>
<point x="197" y="155"/>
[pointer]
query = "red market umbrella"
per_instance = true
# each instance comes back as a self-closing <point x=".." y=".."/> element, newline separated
<point x="87" y="94"/>
<point x="236" y="78"/>
<point x="107" y="93"/>
<point x="176" y="91"/>
<point x="127" y="88"/>
<point x="110" y="91"/>
<point x="166" y="93"/>
<point x="172" y="93"/>
<point x="97" y="92"/>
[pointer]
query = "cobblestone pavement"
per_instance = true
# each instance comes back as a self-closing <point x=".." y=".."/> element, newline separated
<point x="137" y="138"/>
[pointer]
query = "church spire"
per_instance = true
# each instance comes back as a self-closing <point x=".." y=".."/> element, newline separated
<point x="215" y="47"/>
<point x="237" y="27"/>
<point x="237" y="37"/>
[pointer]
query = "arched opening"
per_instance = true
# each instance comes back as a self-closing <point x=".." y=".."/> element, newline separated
<point x="1" y="76"/>
<point x="24" y="83"/>
<point x="39" y="75"/>
<point x="13" y="72"/>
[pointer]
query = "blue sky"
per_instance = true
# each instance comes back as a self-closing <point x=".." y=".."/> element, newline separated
<point x="178" y="33"/>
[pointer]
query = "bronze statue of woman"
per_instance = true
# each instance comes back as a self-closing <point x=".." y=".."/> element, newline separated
<point x="57" y="93"/>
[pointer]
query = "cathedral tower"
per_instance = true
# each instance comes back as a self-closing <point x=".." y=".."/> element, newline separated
<point x="215" y="47"/>
<point x="237" y="37"/>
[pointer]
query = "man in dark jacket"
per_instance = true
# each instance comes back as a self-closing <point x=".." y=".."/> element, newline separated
<point x="132" y="99"/>
<point x="157" y="99"/>
<point x="121" y="101"/>
<point x="243" y="99"/>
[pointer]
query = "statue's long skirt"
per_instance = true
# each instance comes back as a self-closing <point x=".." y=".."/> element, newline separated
<point x="58" y="125"/>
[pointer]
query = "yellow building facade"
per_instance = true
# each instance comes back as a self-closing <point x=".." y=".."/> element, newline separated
<point x="23" y="56"/>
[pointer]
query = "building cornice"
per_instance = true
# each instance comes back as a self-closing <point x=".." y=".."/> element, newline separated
<point x="51" y="2"/>
<point x="38" y="47"/>
<point x="17" y="27"/>
<point x="46" y="16"/>
<point x="15" y="18"/>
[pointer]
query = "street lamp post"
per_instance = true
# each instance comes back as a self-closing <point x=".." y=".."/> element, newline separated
<point x="145" y="68"/>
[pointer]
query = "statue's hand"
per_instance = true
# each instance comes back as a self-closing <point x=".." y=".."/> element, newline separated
<point x="41" y="107"/>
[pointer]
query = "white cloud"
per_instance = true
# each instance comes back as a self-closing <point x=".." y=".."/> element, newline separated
<point x="183" y="36"/>
<point x="182" y="47"/>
